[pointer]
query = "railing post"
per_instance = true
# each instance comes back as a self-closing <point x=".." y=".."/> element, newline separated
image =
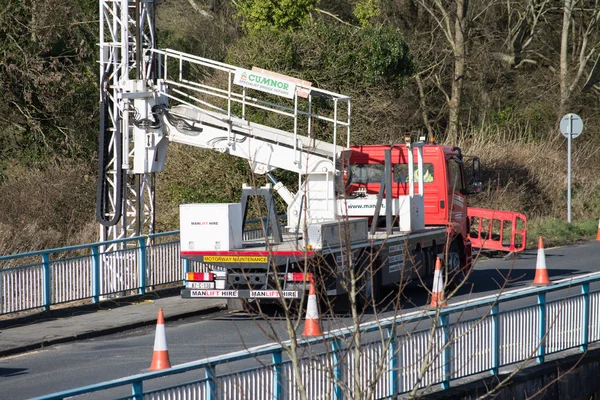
<point x="95" y="274"/>
<point x="186" y="267"/>
<point x="585" y="329"/>
<point x="211" y="382"/>
<point x="392" y="361"/>
<point x="277" y="376"/>
<point x="3" y="308"/>
<point x="47" y="286"/>
<point x="446" y="350"/>
<point x="542" y="328"/>
<point x="137" y="390"/>
<point x="142" y="265"/>
<point x="337" y="368"/>
<point x="495" y="350"/>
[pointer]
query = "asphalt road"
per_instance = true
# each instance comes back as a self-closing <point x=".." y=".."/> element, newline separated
<point x="80" y="363"/>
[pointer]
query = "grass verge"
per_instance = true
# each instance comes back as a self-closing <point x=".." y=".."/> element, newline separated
<point x="556" y="232"/>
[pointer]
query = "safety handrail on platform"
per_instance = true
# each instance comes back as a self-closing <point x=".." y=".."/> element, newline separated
<point x="299" y="104"/>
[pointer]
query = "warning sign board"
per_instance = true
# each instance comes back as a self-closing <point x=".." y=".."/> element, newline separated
<point x="235" y="259"/>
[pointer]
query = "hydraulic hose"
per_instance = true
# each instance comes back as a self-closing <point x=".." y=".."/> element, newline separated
<point x="101" y="188"/>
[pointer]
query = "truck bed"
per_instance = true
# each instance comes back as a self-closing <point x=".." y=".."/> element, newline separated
<point x="256" y="260"/>
<point x="292" y="246"/>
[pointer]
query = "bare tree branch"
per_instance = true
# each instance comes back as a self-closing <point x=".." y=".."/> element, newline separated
<point x="199" y="10"/>
<point x="423" y="106"/>
<point x="593" y="77"/>
<point x="334" y="17"/>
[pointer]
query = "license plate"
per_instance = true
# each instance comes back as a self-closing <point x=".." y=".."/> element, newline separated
<point x="200" y="285"/>
<point x="297" y="286"/>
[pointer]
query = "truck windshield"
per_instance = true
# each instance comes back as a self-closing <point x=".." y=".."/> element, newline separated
<point x="401" y="173"/>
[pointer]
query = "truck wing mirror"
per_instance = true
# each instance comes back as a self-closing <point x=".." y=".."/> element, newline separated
<point x="474" y="180"/>
<point x="476" y="166"/>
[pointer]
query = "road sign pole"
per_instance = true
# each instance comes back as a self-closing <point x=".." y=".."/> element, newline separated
<point x="569" y="138"/>
<point x="571" y="126"/>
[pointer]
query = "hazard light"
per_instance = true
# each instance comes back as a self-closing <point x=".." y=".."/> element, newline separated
<point x="299" y="277"/>
<point x="200" y="276"/>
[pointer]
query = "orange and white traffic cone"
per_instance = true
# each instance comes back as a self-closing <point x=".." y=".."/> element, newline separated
<point x="437" y="292"/>
<point x="160" y="358"/>
<point x="598" y="235"/>
<point x="541" y="273"/>
<point x="312" y="323"/>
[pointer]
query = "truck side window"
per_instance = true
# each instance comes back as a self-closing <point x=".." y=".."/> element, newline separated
<point x="455" y="179"/>
<point x="401" y="173"/>
<point x="367" y="173"/>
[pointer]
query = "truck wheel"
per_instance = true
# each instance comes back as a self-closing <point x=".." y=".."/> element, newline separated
<point x="455" y="272"/>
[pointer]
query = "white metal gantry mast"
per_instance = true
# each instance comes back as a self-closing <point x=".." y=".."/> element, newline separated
<point x="125" y="197"/>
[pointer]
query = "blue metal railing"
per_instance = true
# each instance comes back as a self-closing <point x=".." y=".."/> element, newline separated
<point x="455" y="349"/>
<point x="89" y="272"/>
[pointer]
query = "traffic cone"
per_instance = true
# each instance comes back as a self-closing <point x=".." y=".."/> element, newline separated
<point x="312" y="324"/>
<point x="437" y="292"/>
<point x="541" y="273"/>
<point x="160" y="358"/>
<point x="598" y="235"/>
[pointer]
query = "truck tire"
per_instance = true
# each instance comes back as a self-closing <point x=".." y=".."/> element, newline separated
<point x="455" y="272"/>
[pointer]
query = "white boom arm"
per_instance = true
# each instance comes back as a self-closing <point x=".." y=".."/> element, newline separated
<point x="201" y="115"/>
<point x="264" y="147"/>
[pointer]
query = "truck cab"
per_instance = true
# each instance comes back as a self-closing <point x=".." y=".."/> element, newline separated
<point x="445" y="188"/>
<point x="444" y="185"/>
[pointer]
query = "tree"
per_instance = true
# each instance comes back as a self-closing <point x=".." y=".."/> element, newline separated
<point x="371" y="64"/>
<point x="583" y="42"/>
<point x="524" y="20"/>
<point x="280" y="14"/>
<point x="48" y="108"/>
<point x="366" y="10"/>
<point x="453" y="21"/>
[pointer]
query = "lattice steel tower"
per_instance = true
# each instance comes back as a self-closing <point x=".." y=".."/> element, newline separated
<point x="125" y="197"/>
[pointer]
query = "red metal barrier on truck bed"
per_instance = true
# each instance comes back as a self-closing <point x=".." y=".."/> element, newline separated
<point x="497" y="230"/>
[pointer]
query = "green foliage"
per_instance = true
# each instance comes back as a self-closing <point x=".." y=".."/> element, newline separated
<point x="559" y="232"/>
<point x="371" y="64"/>
<point x="332" y="56"/>
<point x="258" y="15"/>
<point x="540" y="117"/>
<point x="503" y="116"/>
<point x="48" y="107"/>
<point x="366" y="10"/>
<point x="178" y="26"/>
<point x="533" y="121"/>
<point x="49" y="101"/>
<point x="194" y="175"/>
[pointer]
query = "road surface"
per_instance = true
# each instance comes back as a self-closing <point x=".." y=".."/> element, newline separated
<point x="80" y="363"/>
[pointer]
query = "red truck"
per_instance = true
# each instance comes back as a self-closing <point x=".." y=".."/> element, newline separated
<point x="397" y="236"/>
<point x="376" y="215"/>
<point x="446" y="185"/>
